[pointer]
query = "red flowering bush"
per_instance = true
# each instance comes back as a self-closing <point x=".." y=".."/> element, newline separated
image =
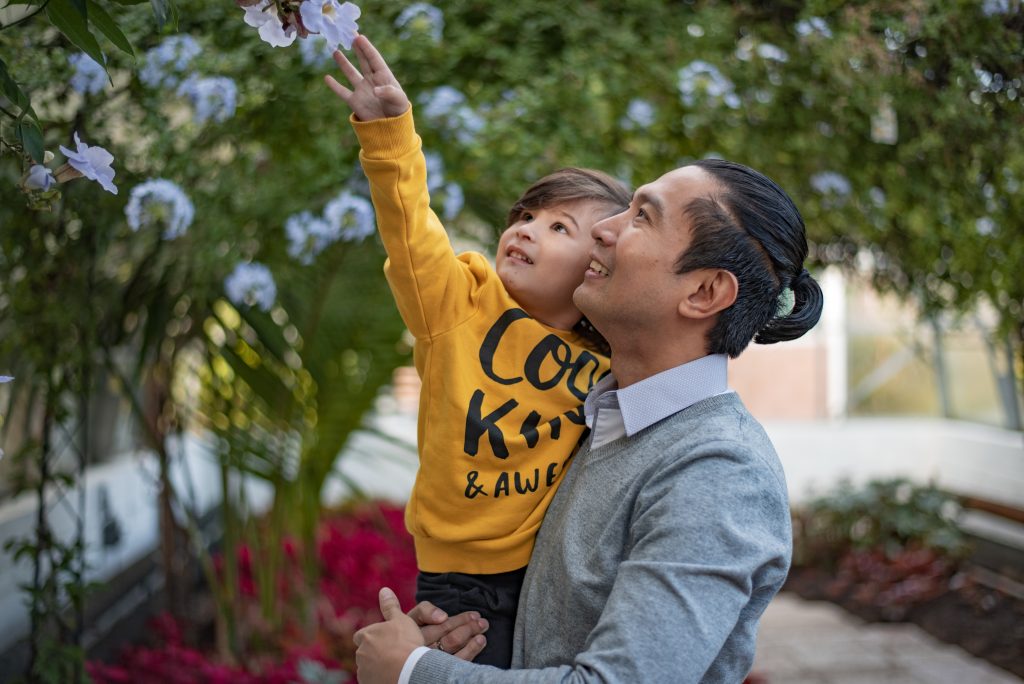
<point x="358" y="553"/>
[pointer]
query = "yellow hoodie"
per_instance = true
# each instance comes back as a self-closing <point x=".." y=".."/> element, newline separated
<point x="501" y="408"/>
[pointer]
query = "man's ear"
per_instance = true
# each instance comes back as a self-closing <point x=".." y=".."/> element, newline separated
<point x="707" y="292"/>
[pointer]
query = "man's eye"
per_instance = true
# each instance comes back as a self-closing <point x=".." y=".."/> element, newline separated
<point x="640" y="213"/>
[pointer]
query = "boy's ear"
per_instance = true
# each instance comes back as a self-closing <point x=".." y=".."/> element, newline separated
<point x="708" y="291"/>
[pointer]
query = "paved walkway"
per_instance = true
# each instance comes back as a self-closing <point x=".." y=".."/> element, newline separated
<point x="815" y="642"/>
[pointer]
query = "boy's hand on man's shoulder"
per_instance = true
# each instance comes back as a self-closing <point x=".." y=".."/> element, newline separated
<point x="375" y="92"/>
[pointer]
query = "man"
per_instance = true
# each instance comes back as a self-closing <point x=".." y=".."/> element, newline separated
<point x="670" y="533"/>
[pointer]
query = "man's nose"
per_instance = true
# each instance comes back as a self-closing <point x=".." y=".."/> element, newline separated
<point x="605" y="230"/>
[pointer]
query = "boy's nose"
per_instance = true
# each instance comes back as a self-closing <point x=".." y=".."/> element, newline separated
<point x="525" y="231"/>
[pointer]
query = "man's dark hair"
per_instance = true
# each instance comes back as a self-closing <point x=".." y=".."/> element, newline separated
<point x="751" y="228"/>
<point x="573" y="185"/>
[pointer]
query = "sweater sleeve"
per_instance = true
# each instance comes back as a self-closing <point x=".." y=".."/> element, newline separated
<point x="434" y="289"/>
<point x="708" y="549"/>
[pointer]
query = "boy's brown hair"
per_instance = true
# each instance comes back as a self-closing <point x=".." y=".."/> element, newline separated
<point x="573" y="184"/>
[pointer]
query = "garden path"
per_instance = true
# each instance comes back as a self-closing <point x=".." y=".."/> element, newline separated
<point x="815" y="642"/>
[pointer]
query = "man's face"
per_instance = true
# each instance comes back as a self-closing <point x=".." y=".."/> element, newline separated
<point x="631" y="284"/>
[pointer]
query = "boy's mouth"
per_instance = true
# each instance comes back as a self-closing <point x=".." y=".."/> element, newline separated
<point x="598" y="268"/>
<point x="514" y="253"/>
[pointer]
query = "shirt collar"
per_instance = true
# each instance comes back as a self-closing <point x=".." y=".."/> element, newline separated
<point x="644" y="403"/>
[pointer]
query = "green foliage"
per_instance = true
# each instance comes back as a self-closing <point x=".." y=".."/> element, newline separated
<point x="890" y="515"/>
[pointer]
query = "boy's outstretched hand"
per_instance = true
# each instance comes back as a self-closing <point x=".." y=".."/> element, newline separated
<point x="375" y="93"/>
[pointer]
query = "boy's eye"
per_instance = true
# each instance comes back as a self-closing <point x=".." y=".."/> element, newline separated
<point x="559" y="228"/>
<point x="527" y="216"/>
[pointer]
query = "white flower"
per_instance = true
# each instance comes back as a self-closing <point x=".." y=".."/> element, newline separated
<point x="336" y="23"/>
<point x="830" y="183"/>
<point x="772" y="52"/>
<point x="213" y="97"/>
<point x="421" y="16"/>
<point x="309" y="235"/>
<point x="351" y="216"/>
<point x="39" y="178"/>
<point x="985" y="225"/>
<point x="701" y="77"/>
<point x="639" y="114"/>
<point x="315" y="50"/>
<point x="93" y="162"/>
<point x="160" y="201"/>
<point x="251" y="285"/>
<point x="813" y="25"/>
<point x="89" y="77"/>
<point x="271" y="28"/>
<point x="166" y="62"/>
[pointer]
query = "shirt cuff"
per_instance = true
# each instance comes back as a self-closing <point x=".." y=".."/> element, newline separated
<point x="410" y="663"/>
<point x="387" y="138"/>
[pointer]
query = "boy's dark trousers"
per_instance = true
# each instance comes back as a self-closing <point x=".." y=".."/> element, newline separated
<point x="495" y="597"/>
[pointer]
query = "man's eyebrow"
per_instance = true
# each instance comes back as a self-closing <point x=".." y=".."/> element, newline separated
<point x="643" y="197"/>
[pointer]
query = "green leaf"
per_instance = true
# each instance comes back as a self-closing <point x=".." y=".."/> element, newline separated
<point x="105" y="23"/>
<point x="128" y="2"/>
<point x="31" y="138"/>
<point x="72" y="23"/>
<point x="13" y="92"/>
<point x="164" y="11"/>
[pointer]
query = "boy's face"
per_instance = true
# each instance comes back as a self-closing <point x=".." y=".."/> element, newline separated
<point x="542" y="258"/>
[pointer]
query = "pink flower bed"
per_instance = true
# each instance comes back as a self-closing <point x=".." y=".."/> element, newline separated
<point x="358" y="554"/>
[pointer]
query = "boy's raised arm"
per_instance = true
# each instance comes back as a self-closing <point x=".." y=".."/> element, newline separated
<point x="375" y="92"/>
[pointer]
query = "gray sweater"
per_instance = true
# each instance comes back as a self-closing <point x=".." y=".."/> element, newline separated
<point x="655" y="561"/>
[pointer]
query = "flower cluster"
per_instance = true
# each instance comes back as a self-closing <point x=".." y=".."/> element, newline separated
<point x="212" y="97"/>
<point x="421" y="17"/>
<point x="814" y="26"/>
<point x="701" y="78"/>
<point x="639" y="114"/>
<point x="90" y="77"/>
<point x="831" y="183"/>
<point x="251" y="284"/>
<point x="280" y="23"/>
<point x="446" y="107"/>
<point x="450" y="193"/>
<point x="347" y="217"/>
<point x="165" y="63"/>
<point x="160" y="201"/>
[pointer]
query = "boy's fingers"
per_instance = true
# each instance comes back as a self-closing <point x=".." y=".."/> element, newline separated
<point x="375" y="62"/>
<point x="351" y="73"/>
<point x="359" y="47"/>
<point x="339" y="90"/>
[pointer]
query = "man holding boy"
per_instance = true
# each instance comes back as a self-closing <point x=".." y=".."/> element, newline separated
<point x="670" y="532"/>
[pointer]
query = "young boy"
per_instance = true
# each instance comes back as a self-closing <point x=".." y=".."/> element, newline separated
<point x="505" y="356"/>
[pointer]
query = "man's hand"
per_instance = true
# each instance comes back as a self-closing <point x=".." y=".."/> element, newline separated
<point x="375" y="93"/>
<point x="453" y="635"/>
<point x="383" y="648"/>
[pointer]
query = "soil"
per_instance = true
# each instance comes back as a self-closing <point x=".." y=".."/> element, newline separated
<point x="983" y="621"/>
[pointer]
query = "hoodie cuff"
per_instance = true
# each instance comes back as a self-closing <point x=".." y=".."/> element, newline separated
<point x="387" y="138"/>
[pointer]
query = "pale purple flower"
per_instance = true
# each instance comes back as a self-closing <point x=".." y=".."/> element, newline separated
<point x="271" y="28"/>
<point x="454" y="200"/>
<point x="316" y="51"/>
<point x="89" y="77"/>
<point x="435" y="170"/>
<point x="772" y="53"/>
<point x="213" y="97"/>
<point x="421" y="16"/>
<point x="39" y="178"/>
<point x="309" y="235"/>
<point x="93" y="162"/>
<point x="165" y="63"/>
<point x="639" y="114"/>
<point x="251" y="285"/>
<point x="701" y="78"/>
<point x="160" y="201"/>
<point x="831" y="183"/>
<point x="6" y="378"/>
<point x="446" y="106"/>
<point x="335" y="22"/>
